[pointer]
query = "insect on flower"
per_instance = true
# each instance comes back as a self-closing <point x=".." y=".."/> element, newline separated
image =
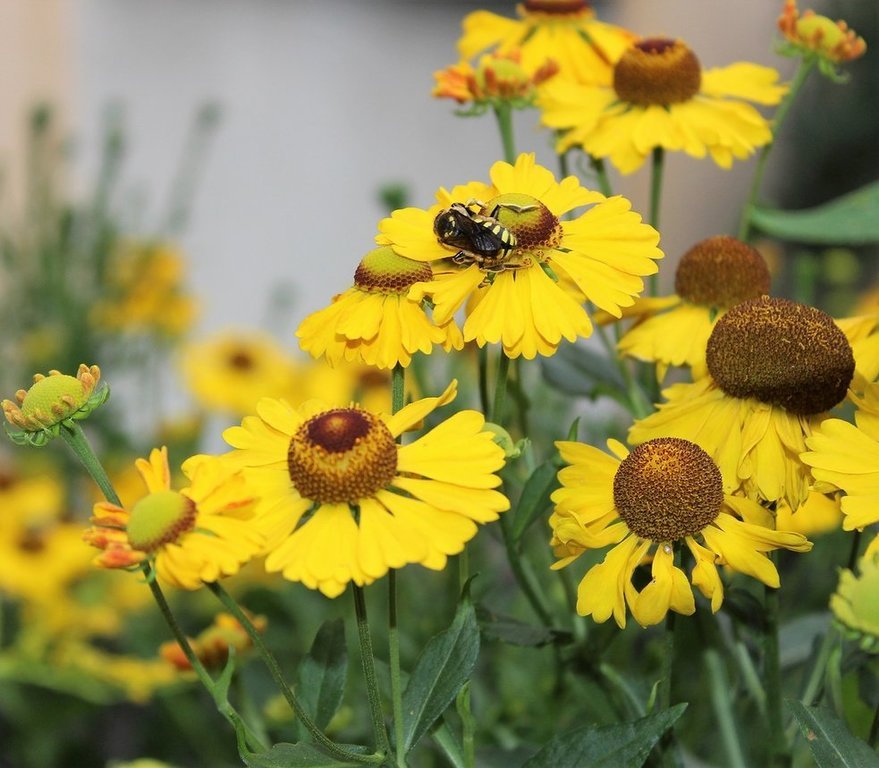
<point x="479" y="237"/>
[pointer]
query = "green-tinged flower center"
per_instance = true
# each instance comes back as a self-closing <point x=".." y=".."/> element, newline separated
<point x="384" y="271"/>
<point x="657" y="71"/>
<point x="536" y="228"/>
<point x="721" y="272"/>
<point x="60" y="395"/>
<point x="781" y="353"/>
<point x="667" y="489"/>
<point x="557" y="6"/>
<point x="341" y="456"/>
<point x="160" y="518"/>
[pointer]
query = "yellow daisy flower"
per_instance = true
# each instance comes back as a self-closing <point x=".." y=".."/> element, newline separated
<point x="854" y="603"/>
<point x="526" y="305"/>
<point x="665" y="491"/>
<point x="846" y="456"/>
<point x="563" y="30"/>
<point x="200" y="533"/>
<point x="661" y="98"/>
<point x="348" y="503"/>
<point x="232" y="370"/>
<point x="375" y="322"/>
<point x="714" y="275"/>
<point x="817" y="515"/>
<point x="775" y="368"/>
<point x="832" y="42"/>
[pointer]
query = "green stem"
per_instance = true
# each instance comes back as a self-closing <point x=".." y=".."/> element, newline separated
<point x="854" y="551"/>
<point x="367" y="659"/>
<point x="723" y="710"/>
<point x="468" y="726"/>
<point x="500" y="390"/>
<point x="778" y="750"/>
<point x="601" y="174"/>
<point x="75" y="438"/>
<point x="657" y="166"/>
<point x="639" y="407"/>
<point x="504" y="114"/>
<point x="873" y="738"/>
<point x="222" y="704"/>
<point x="564" y="166"/>
<point x="663" y="699"/>
<point x="524" y="578"/>
<point x="806" y="66"/>
<point x="398" y="387"/>
<point x="394" y="655"/>
<point x="482" y="359"/>
<point x="274" y="669"/>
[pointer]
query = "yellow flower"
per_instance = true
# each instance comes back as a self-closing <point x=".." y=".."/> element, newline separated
<point x="52" y="401"/>
<point x="861" y="334"/>
<point x="665" y="491"/>
<point x="497" y="78"/>
<point x="563" y="30"/>
<point x="375" y="322"/>
<point x="348" y="502"/>
<point x="774" y="368"/>
<point x="232" y="370"/>
<point x="844" y="456"/>
<point x="714" y="275"/>
<point x="854" y="604"/>
<point x="814" y="35"/>
<point x="200" y="533"/>
<point x="213" y="644"/>
<point x="145" y="290"/>
<point x="817" y="515"/>
<point x="526" y="304"/>
<point x="661" y="98"/>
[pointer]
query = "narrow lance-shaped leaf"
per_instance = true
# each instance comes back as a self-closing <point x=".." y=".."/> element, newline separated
<point x="625" y="745"/>
<point x="830" y="741"/>
<point x="323" y="673"/>
<point x="443" y="667"/>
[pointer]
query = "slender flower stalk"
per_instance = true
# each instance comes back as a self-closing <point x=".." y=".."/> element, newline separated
<point x="367" y="659"/>
<point x="805" y="67"/>
<point x="723" y="710"/>
<point x="777" y="743"/>
<point x="656" y="171"/>
<point x="272" y="665"/>
<point x="600" y="169"/>
<point x="504" y="114"/>
<point x="73" y="435"/>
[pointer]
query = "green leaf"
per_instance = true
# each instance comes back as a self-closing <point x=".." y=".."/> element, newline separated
<point x="535" y="497"/>
<point x="444" y="666"/>
<point x="323" y="673"/>
<point x="300" y="756"/>
<point x="830" y="741"/>
<point x="222" y="683"/>
<point x="625" y="745"/>
<point x="578" y="370"/>
<point x="848" y="220"/>
<point x="508" y="630"/>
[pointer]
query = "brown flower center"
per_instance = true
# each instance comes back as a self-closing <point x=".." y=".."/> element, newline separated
<point x="241" y="360"/>
<point x="667" y="489"/>
<point x="383" y="270"/>
<point x="657" y="71"/>
<point x="556" y="6"/>
<point x="781" y="353"/>
<point x="341" y="456"/>
<point x="721" y="272"/>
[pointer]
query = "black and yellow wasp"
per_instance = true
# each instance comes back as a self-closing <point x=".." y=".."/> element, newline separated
<point x="479" y="237"/>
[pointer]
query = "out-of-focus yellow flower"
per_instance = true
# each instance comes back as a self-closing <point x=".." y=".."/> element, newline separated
<point x="211" y="647"/>
<point x="661" y="98"/>
<point x="818" y="514"/>
<point x="854" y="603"/>
<point x="811" y="34"/>
<point x="563" y="30"/>
<point x="497" y="78"/>
<point x="232" y="370"/>
<point x="145" y="292"/>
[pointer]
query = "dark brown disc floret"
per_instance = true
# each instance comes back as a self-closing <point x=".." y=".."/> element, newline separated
<point x="781" y="353"/>
<point x="657" y="71"/>
<point x="721" y="272"/>
<point x="667" y="489"/>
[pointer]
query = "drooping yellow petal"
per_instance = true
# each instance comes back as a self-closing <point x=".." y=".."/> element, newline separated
<point x="667" y="590"/>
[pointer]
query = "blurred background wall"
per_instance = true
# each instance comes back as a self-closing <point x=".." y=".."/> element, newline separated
<point x="322" y="103"/>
